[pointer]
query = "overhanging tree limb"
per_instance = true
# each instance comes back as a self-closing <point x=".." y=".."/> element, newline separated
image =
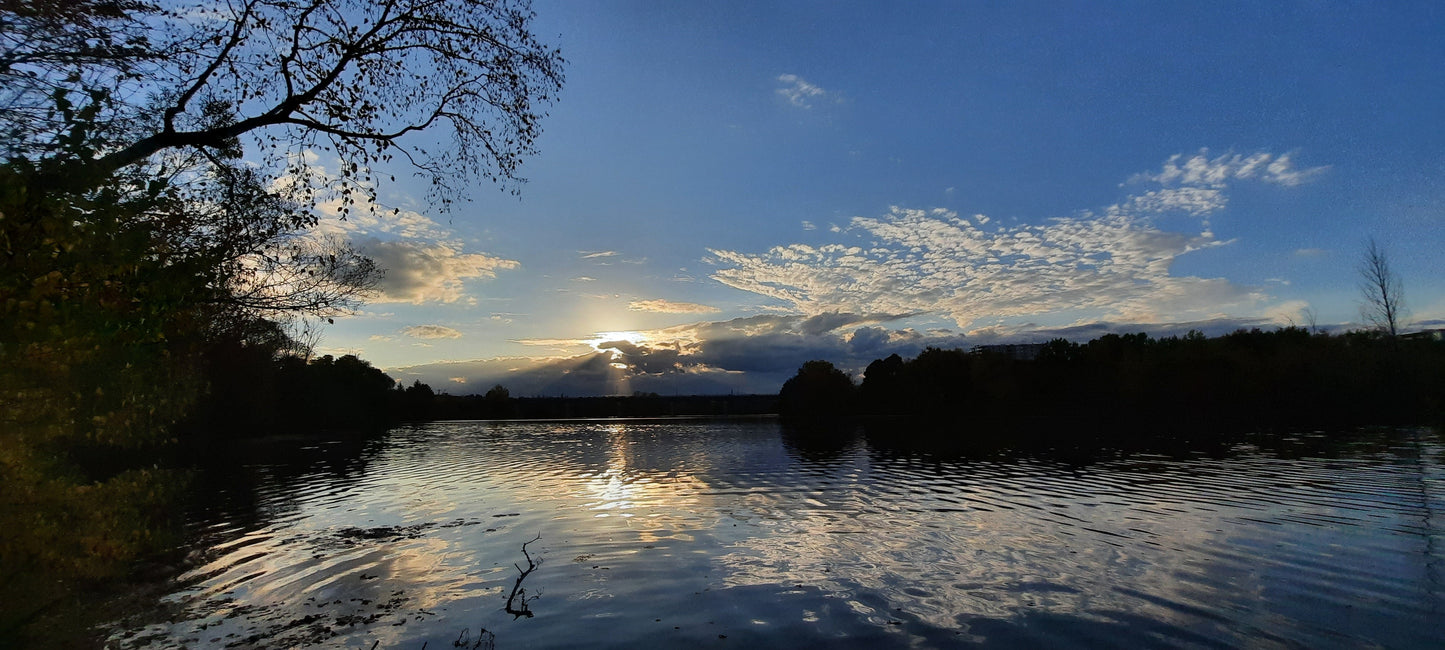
<point x="361" y="77"/>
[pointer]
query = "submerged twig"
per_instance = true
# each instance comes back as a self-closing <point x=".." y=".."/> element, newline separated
<point x="521" y="607"/>
<point x="485" y="640"/>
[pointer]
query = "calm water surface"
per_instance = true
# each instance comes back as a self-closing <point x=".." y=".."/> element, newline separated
<point x="737" y="534"/>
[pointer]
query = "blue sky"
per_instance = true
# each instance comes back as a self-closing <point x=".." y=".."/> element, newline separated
<point x="726" y="191"/>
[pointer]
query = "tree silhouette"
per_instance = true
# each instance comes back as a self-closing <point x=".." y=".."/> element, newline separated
<point x="256" y="251"/>
<point x="499" y="403"/>
<point x="1133" y="387"/>
<point x="415" y="402"/>
<point x="360" y="78"/>
<point x="1381" y="289"/>
<point x="818" y="390"/>
<point x="60" y="47"/>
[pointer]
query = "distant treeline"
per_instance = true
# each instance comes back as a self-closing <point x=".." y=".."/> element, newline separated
<point x="1136" y="385"/>
<point x="255" y="390"/>
<point x="642" y="405"/>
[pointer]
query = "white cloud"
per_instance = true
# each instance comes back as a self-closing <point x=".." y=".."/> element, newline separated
<point x="1110" y="266"/>
<point x="424" y="261"/>
<point x="1282" y="171"/>
<point x="798" y="91"/>
<point x="669" y="307"/>
<point x="1200" y="170"/>
<point x="1194" y="201"/>
<point x="431" y="332"/>
<point x="926" y="261"/>
<point x="808" y="225"/>
<point x="405" y="224"/>
<point x="589" y="255"/>
<point x="419" y="272"/>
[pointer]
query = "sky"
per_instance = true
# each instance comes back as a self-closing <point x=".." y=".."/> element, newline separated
<point x="725" y="191"/>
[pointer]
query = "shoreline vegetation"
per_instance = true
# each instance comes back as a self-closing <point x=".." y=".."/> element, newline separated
<point x="1112" y="387"/>
<point x="1132" y="387"/>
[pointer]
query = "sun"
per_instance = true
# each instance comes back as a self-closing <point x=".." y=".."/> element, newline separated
<point x="631" y="336"/>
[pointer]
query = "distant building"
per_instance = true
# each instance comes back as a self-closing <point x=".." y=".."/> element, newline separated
<point x="1015" y="351"/>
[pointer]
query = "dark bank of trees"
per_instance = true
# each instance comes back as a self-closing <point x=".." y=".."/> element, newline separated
<point x="1136" y="386"/>
<point x="159" y="166"/>
<point x="819" y="389"/>
<point x="249" y="395"/>
<point x="418" y="403"/>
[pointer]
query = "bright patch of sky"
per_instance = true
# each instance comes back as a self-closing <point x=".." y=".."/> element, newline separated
<point x="726" y="191"/>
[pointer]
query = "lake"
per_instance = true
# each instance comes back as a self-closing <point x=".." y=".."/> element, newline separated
<point x="742" y="534"/>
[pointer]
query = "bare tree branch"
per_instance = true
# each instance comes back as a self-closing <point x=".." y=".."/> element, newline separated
<point x="519" y="608"/>
<point x="368" y="77"/>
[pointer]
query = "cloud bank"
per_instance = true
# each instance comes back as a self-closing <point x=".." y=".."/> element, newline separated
<point x="1113" y="265"/>
<point x="424" y="261"/>
<point x="755" y="354"/>
<point x="934" y="260"/>
<point x="419" y="272"/>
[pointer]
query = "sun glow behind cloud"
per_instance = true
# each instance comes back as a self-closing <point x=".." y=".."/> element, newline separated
<point x="600" y="340"/>
<point x="752" y="354"/>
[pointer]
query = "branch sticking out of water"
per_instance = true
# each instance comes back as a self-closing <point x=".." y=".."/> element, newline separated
<point x="485" y="640"/>
<point x="517" y="602"/>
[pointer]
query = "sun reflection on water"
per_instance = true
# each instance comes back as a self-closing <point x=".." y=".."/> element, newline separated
<point x="674" y="533"/>
<point x="630" y="486"/>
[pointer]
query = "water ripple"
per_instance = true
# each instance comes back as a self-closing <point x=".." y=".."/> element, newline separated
<point x="682" y="532"/>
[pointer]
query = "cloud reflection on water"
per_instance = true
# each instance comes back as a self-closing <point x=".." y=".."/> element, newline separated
<point x="673" y="533"/>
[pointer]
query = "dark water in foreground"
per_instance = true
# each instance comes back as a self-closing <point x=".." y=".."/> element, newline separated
<point x="734" y="534"/>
